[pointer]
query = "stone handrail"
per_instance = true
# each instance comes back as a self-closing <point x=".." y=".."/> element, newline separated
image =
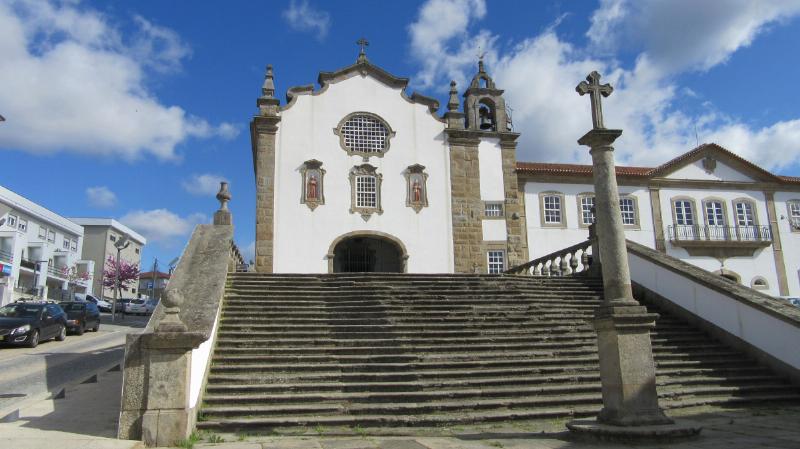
<point x="766" y="328"/>
<point x="166" y="366"/>
<point x="576" y="259"/>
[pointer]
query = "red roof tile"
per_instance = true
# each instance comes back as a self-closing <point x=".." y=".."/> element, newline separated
<point x="576" y="169"/>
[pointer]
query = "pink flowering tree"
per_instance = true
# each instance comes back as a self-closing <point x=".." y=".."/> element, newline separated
<point x="73" y="275"/>
<point x="128" y="274"/>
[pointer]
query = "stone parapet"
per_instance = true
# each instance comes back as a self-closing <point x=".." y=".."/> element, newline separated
<point x="161" y="382"/>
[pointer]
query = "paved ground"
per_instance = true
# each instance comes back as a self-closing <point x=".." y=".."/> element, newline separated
<point x="30" y="373"/>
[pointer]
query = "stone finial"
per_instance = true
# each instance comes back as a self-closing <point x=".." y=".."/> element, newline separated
<point x="223" y="196"/>
<point x="223" y="215"/>
<point x="171" y="322"/>
<point x="268" y="88"/>
<point x="597" y="91"/>
<point x="452" y="103"/>
<point x="481" y="68"/>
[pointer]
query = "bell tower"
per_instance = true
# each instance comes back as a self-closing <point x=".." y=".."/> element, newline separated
<point x="484" y="106"/>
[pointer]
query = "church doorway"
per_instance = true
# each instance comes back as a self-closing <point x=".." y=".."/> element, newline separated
<point x="366" y="253"/>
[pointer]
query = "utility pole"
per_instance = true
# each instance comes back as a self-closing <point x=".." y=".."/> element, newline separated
<point x="155" y="271"/>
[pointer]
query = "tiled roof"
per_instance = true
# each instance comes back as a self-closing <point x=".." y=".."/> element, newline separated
<point x="547" y="168"/>
<point x="576" y="169"/>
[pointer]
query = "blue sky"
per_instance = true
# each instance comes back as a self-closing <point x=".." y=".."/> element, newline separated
<point x="135" y="110"/>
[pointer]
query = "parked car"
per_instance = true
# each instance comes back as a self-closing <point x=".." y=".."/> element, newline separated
<point x="28" y="323"/>
<point x="150" y="305"/>
<point x="135" y="306"/>
<point x="81" y="316"/>
<point x="101" y="304"/>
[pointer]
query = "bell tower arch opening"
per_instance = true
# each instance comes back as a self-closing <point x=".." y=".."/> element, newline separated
<point x="367" y="252"/>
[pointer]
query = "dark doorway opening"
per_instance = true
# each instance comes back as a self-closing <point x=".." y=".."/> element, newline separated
<point x="367" y="255"/>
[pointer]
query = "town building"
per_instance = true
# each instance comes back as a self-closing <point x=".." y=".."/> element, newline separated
<point x="357" y="175"/>
<point x="40" y="252"/>
<point x="152" y="284"/>
<point x="100" y="235"/>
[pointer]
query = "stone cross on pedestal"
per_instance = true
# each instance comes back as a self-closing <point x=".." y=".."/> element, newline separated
<point x="363" y="43"/>
<point x="597" y="91"/>
<point x="627" y="369"/>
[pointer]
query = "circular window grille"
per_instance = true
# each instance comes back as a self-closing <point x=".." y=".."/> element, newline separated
<point x="365" y="134"/>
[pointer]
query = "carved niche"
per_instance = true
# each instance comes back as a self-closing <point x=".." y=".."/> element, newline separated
<point x="312" y="175"/>
<point x="416" y="187"/>
<point x="365" y="191"/>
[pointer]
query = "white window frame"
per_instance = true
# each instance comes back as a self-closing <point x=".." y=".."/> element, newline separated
<point x="586" y="205"/>
<point x="366" y="191"/>
<point x="683" y="210"/>
<point x="74" y="245"/>
<point x="22" y="224"/>
<point x="365" y="134"/>
<point x="715" y="217"/>
<point x="495" y="261"/>
<point x="359" y="195"/>
<point x="11" y="221"/>
<point x="65" y="244"/>
<point x="493" y="209"/>
<point x="51" y="236"/>
<point x="630" y="215"/>
<point x="793" y="212"/>
<point x="42" y="233"/>
<point x="745" y="211"/>
<point x="548" y="213"/>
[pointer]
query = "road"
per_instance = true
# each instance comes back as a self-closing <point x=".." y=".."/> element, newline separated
<point x="26" y="373"/>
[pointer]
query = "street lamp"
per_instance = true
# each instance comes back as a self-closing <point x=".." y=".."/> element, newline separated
<point x="121" y="243"/>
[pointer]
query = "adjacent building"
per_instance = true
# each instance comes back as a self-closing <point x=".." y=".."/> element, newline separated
<point x="152" y="284"/>
<point x="100" y="234"/>
<point x="40" y="252"/>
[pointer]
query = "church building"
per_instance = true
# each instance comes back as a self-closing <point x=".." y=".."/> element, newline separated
<point x="358" y="176"/>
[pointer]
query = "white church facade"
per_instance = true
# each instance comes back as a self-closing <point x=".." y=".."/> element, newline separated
<point x="357" y="175"/>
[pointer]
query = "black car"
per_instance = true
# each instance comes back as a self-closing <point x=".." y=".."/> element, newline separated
<point x="81" y="316"/>
<point x="28" y="323"/>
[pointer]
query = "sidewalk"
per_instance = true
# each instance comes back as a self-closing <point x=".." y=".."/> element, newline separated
<point x="86" y="418"/>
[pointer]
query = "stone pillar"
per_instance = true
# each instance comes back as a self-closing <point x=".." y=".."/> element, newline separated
<point x="467" y="208"/>
<point x="263" y="131"/>
<point x="517" y="252"/>
<point x="777" y="247"/>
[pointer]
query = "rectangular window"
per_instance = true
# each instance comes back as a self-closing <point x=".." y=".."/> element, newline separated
<point x="715" y="214"/>
<point x="366" y="192"/>
<point x="113" y="238"/>
<point x="794" y="215"/>
<point x="494" y="209"/>
<point x="23" y="225"/>
<point x="496" y="261"/>
<point x="587" y="210"/>
<point x="74" y="246"/>
<point x="684" y="215"/>
<point x="42" y="232"/>
<point x="65" y="243"/>
<point x="627" y="208"/>
<point x="745" y="216"/>
<point x="51" y="236"/>
<point x="136" y="250"/>
<point x="12" y="221"/>
<point x="552" y="209"/>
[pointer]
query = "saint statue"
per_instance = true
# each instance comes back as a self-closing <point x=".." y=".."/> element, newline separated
<point x="416" y="190"/>
<point x="311" y="190"/>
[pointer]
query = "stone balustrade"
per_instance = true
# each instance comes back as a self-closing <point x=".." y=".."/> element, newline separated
<point x="574" y="260"/>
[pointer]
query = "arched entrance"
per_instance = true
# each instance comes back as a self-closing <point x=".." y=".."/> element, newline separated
<point x="367" y="252"/>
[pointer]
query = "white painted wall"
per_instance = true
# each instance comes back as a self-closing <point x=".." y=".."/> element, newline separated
<point x="721" y="172"/>
<point x="200" y="359"/>
<point x="543" y="240"/>
<point x="302" y="237"/>
<point x="766" y="332"/>
<point x="790" y="240"/>
<point x="490" y="160"/>
<point x="761" y="264"/>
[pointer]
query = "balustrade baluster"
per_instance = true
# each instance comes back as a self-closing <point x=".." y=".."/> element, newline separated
<point x="565" y="268"/>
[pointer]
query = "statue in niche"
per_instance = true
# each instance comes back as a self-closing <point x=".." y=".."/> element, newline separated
<point x="416" y="187"/>
<point x="312" y="175"/>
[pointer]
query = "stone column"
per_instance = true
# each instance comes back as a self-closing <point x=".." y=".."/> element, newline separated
<point x="514" y="204"/>
<point x="627" y="369"/>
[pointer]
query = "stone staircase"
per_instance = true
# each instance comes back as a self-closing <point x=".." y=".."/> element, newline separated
<point x="428" y="350"/>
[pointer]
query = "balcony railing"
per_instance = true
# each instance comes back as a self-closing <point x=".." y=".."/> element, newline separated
<point x="702" y="233"/>
<point x="7" y="256"/>
<point x="29" y="264"/>
<point x="56" y="271"/>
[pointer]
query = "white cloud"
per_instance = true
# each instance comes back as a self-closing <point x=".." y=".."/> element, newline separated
<point x="162" y="225"/>
<point x="249" y="251"/>
<point x="303" y="17"/>
<point x="101" y="197"/>
<point x="442" y="42"/>
<point x="539" y="75"/>
<point x="685" y="34"/>
<point x="204" y="184"/>
<point x="75" y="85"/>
